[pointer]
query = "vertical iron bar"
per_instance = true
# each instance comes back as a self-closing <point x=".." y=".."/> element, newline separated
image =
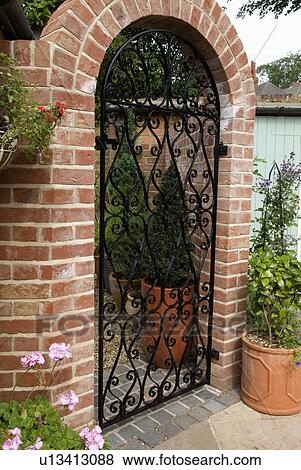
<point x="212" y="260"/>
<point x="101" y="264"/>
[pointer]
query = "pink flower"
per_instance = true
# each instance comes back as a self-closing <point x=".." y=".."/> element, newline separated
<point x="94" y="439"/>
<point x="69" y="399"/>
<point x="37" y="445"/>
<point x="57" y="351"/>
<point x="13" y="444"/>
<point x="83" y="433"/>
<point x="15" y="432"/>
<point x="32" y="359"/>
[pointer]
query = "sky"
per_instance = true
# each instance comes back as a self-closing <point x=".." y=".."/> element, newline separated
<point x="254" y="31"/>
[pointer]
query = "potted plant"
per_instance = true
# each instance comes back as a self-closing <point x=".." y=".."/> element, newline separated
<point x="124" y="219"/>
<point x="124" y="226"/>
<point x="23" y="123"/>
<point x="271" y="373"/>
<point x="167" y="291"/>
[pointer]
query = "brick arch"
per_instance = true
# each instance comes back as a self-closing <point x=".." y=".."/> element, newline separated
<point x="47" y="212"/>
<point x="84" y="30"/>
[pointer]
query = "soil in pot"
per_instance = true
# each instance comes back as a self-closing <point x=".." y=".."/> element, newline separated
<point x="271" y="383"/>
<point x="118" y="287"/>
<point x="164" y="332"/>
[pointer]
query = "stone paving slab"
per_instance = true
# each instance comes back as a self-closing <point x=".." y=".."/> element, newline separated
<point x="161" y="424"/>
<point x="238" y="427"/>
<point x="252" y="430"/>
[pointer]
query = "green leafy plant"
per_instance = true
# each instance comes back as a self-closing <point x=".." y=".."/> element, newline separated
<point x="38" y="12"/>
<point x="274" y="297"/>
<point x="21" y="119"/>
<point x="125" y="217"/>
<point x="167" y="254"/>
<point x="37" y="417"/>
<point x="125" y="209"/>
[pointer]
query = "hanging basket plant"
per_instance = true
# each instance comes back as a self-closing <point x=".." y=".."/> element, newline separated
<point x="23" y="123"/>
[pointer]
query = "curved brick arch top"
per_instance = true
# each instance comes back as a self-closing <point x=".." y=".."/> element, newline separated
<point x="83" y="29"/>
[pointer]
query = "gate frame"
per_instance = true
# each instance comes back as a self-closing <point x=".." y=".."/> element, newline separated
<point x="211" y="249"/>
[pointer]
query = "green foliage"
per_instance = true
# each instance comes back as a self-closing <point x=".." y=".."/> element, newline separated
<point x="125" y="211"/>
<point x="20" y="117"/>
<point x="35" y="418"/>
<point x="38" y="12"/>
<point x="274" y="297"/>
<point x="263" y="7"/>
<point x="279" y="210"/>
<point x="167" y="257"/>
<point x="282" y="72"/>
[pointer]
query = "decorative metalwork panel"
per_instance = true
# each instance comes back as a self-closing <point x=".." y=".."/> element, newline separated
<point x="158" y="192"/>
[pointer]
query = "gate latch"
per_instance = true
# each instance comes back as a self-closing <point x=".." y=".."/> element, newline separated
<point x="222" y="149"/>
<point x="215" y="354"/>
<point x="102" y="143"/>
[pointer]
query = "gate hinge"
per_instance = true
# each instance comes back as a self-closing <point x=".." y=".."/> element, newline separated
<point x="222" y="149"/>
<point x="101" y="143"/>
<point x="215" y="354"/>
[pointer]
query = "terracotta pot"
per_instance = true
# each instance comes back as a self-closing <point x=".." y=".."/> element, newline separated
<point x="133" y="303"/>
<point x="117" y="289"/>
<point x="271" y="383"/>
<point x="172" y="329"/>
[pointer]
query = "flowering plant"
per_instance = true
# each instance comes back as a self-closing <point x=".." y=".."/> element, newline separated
<point x="35" y="424"/>
<point x="274" y="287"/>
<point x="23" y="121"/>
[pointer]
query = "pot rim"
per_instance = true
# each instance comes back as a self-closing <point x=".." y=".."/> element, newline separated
<point x="257" y="347"/>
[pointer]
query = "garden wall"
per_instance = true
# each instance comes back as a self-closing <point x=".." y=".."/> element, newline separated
<point x="47" y="205"/>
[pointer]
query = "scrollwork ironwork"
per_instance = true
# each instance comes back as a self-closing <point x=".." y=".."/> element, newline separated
<point x="161" y="107"/>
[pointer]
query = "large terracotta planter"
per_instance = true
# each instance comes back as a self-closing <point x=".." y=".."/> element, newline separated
<point x="271" y="383"/>
<point x="158" y="330"/>
<point x="117" y="288"/>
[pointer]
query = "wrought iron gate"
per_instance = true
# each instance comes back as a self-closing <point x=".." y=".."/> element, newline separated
<point x="159" y="147"/>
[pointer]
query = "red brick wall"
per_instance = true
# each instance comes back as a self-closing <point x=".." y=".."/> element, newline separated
<point x="46" y="210"/>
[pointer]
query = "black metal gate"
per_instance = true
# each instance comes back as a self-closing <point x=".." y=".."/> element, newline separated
<point x="159" y="147"/>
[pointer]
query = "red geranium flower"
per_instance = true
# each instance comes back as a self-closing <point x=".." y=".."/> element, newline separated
<point x="41" y="108"/>
<point x="51" y="118"/>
